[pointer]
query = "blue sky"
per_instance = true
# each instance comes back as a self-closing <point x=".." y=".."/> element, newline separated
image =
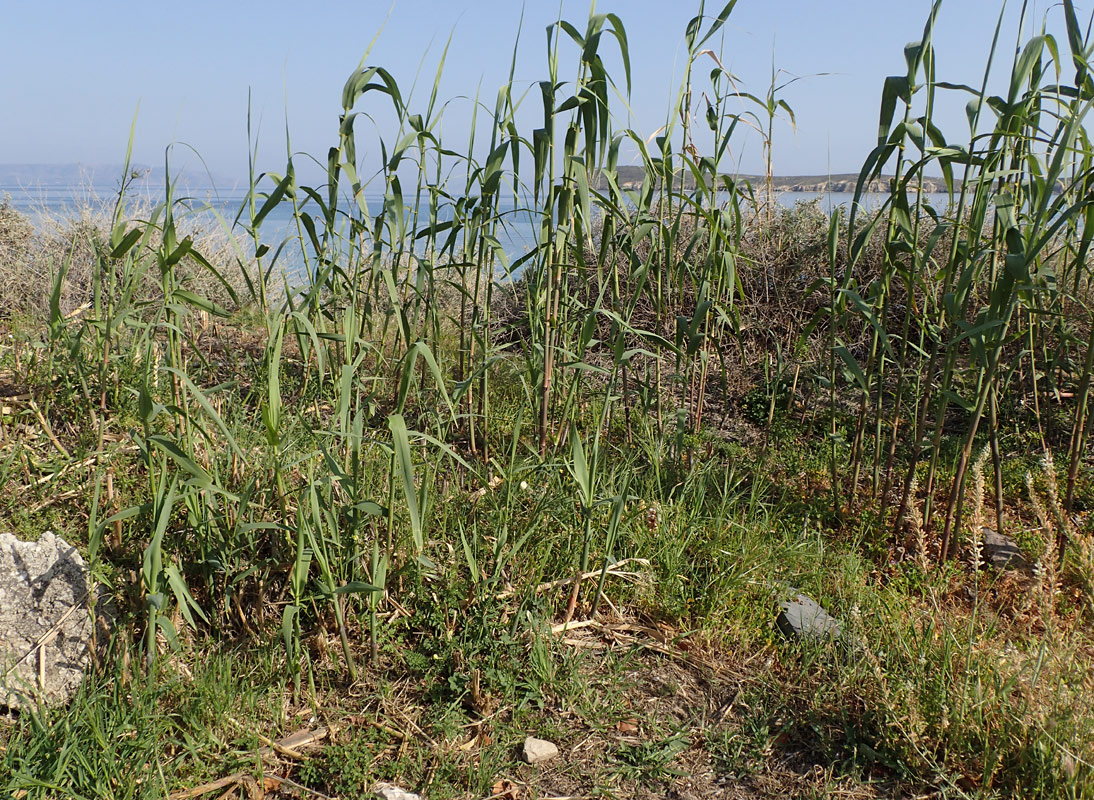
<point x="76" y="71"/>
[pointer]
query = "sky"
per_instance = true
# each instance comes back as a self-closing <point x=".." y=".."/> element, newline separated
<point x="79" y="72"/>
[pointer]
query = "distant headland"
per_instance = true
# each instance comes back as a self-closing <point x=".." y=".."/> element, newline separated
<point x="630" y="177"/>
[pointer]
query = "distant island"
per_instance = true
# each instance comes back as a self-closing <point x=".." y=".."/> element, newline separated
<point x="631" y="178"/>
<point x="844" y="182"/>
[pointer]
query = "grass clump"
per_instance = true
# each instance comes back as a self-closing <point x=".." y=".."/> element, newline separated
<point x="433" y="497"/>
<point x="75" y="244"/>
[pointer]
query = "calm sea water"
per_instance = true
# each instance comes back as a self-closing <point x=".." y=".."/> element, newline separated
<point x="212" y="208"/>
<point x="517" y="236"/>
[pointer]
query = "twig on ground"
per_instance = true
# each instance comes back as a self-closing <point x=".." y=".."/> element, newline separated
<point x="562" y="627"/>
<point x="286" y="746"/>
<point x="206" y="788"/>
<point x="49" y="431"/>
<point x="614" y="570"/>
<point x="302" y="788"/>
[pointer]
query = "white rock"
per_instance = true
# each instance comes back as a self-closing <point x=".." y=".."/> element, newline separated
<point x="45" y="627"/>
<point x="389" y="791"/>
<point x="536" y="751"/>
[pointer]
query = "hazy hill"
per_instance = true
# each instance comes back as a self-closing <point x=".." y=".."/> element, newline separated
<point x="66" y="175"/>
<point x="631" y="178"/>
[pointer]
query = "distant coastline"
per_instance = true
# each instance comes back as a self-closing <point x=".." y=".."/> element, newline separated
<point x="846" y="182"/>
<point x="629" y="177"/>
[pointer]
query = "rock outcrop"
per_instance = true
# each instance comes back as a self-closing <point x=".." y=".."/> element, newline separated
<point x="1000" y="551"/>
<point x="803" y="618"/>
<point x="45" y="627"/>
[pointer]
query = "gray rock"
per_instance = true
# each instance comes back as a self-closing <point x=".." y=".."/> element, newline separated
<point x="45" y="627"/>
<point x="1000" y="551"/>
<point x="389" y="791"/>
<point x="804" y="618"/>
<point x="536" y="751"/>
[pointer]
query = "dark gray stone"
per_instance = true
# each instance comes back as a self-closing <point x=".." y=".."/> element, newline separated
<point x="45" y="627"/>
<point x="1000" y="551"/>
<point x="804" y="618"/>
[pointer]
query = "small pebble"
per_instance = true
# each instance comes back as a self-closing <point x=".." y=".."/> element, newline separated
<point x="389" y="791"/>
<point x="537" y="751"/>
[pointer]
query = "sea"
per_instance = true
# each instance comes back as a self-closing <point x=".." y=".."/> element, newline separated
<point x="212" y="207"/>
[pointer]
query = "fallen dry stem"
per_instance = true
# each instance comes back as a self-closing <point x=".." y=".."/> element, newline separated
<point x="49" y="430"/>
<point x="546" y="587"/>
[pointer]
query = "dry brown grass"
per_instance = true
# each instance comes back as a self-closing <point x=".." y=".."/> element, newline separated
<point x="33" y="250"/>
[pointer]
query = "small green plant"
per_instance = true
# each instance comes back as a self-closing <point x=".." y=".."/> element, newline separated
<point x="348" y="767"/>
<point x="651" y="762"/>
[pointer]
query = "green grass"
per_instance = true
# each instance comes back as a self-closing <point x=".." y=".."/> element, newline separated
<point x="347" y="502"/>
